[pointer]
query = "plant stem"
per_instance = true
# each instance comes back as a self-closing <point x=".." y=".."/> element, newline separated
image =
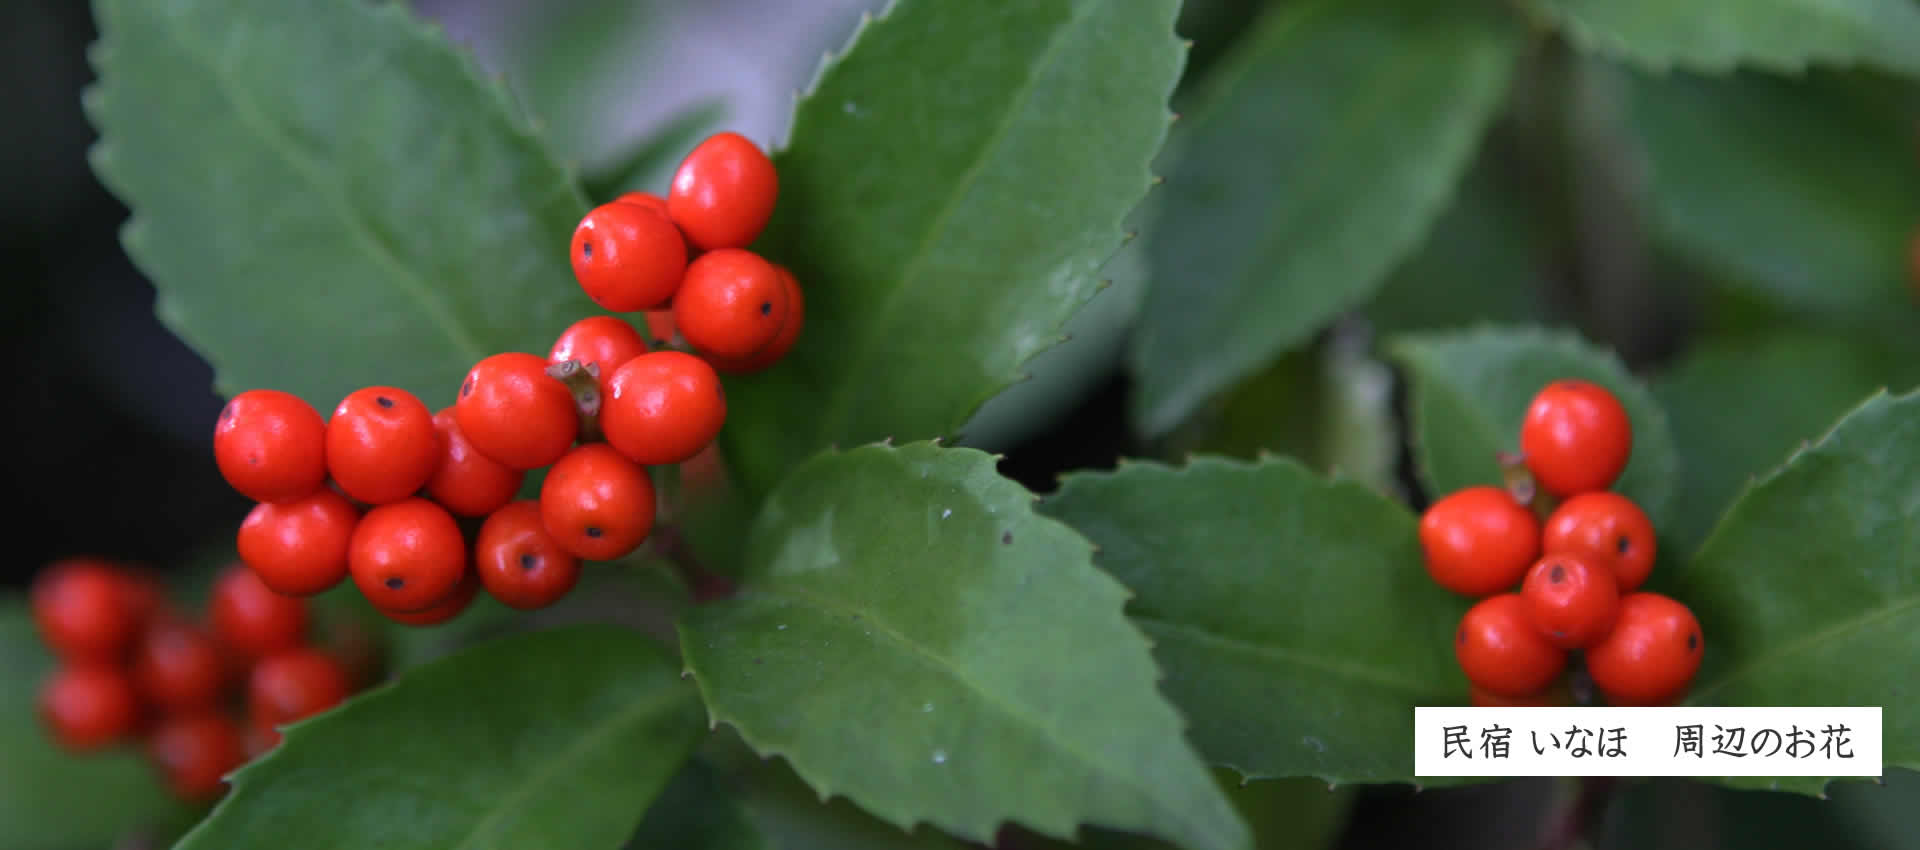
<point x="1572" y="824"/>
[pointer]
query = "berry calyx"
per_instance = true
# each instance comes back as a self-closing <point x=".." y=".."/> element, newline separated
<point x="1576" y="438"/>
<point x="519" y="561"/>
<point x="606" y="342"/>
<point x="723" y="193"/>
<point x="251" y="618"/>
<point x="381" y="446"/>
<point x="1571" y="600"/>
<point x="663" y="407"/>
<point x="407" y="556"/>
<point x="86" y="610"/>
<point x="597" y="504"/>
<point x="732" y="304"/>
<point x="514" y="412"/>
<point x="1652" y="653"/>
<point x="1479" y="541"/>
<point x="89" y="706"/>
<point x="1606" y="528"/>
<point x="628" y="256"/>
<point x="195" y="752"/>
<point x="466" y="482"/>
<point x="782" y="342"/>
<point x="178" y="667"/>
<point x="271" y="446"/>
<point x="1501" y="652"/>
<point x="299" y="548"/>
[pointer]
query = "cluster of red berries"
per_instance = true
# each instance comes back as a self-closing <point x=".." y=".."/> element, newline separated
<point x="203" y="697"/>
<point x="1577" y="551"/>
<point x="598" y="410"/>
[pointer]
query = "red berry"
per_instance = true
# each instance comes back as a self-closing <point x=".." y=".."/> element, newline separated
<point x="1571" y="600"/>
<point x="1479" y="541"/>
<point x="381" y="446"/>
<point x="89" y="706"/>
<point x="407" y="556"/>
<point x="1608" y="529"/>
<point x="519" y="561"/>
<point x="299" y="548"/>
<point x="466" y="482"/>
<point x="455" y="604"/>
<point x="195" y="752"/>
<point x="1652" y="653"/>
<point x="607" y="341"/>
<point x="628" y="257"/>
<point x="1557" y="695"/>
<point x="732" y="305"/>
<point x="723" y="193"/>
<point x="1576" y="438"/>
<point x="783" y="342"/>
<point x="271" y="446"/>
<point x="251" y="618"/>
<point x="179" y="667"/>
<point x="597" y="504"/>
<point x="660" y="326"/>
<point x="514" y="412"/>
<point x="1501" y="652"/>
<point x="292" y="686"/>
<point x="663" y="407"/>
<point x="86" y="609"/>
<point x="646" y="199"/>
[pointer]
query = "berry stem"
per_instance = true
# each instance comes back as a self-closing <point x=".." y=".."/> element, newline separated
<point x="1521" y="485"/>
<point x="583" y="380"/>
<point x="1578" y="817"/>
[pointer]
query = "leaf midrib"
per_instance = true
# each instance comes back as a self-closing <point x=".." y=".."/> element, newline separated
<point x="636" y="712"/>
<point x="1287" y="656"/>
<point x="957" y="674"/>
<point x="1758" y="660"/>
<point x="249" y="115"/>
<point x="837" y="409"/>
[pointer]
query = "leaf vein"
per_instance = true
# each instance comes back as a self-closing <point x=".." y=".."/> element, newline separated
<point x="1287" y="655"/>
<point x="1766" y="655"/>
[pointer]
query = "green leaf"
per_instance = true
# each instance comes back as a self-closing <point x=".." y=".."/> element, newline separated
<point x="1253" y="580"/>
<point x="553" y="739"/>
<point x="697" y="811"/>
<point x="953" y="184"/>
<point x="570" y="68"/>
<point x="1471" y="388"/>
<point x="912" y="595"/>
<point x="1812" y="570"/>
<point x="1803" y="191"/>
<point x="1719" y="35"/>
<point x="1740" y="405"/>
<point x="648" y="165"/>
<point x="327" y="195"/>
<point x="53" y="800"/>
<point x="1319" y="155"/>
<point x="793" y="817"/>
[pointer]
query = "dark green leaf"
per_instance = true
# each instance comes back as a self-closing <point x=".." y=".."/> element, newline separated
<point x="911" y="594"/>
<point x="954" y="182"/>
<point x="1805" y="191"/>
<point x="697" y="811"/>
<point x="1811" y="571"/>
<point x="794" y="817"/>
<point x="1482" y="262"/>
<point x="1252" y="580"/>
<point x="1718" y="35"/>
<point x="327" y="195"/>
<point x="649" y="164"/>
<point x="1318" y="156"/>
<point x="1471" y="388"/>
<point x="1286" y="814"/>
<point x="552" y="739"/>
<point x="1740" y="406"/>
<point x="53" y="800"/>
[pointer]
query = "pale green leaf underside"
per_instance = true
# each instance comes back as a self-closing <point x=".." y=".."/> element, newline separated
<point x="953" y="184"/>
<point x="1470" y="390"/>
<point x="910" y="634"/>
<point x="550" y="739"/>
<point x="1808" y="591"/>
<point x="1719" y="35"/>
<point x="1293" y="617"/>
<point x="1321" y="152"/>
<point x="327" y="195"/>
